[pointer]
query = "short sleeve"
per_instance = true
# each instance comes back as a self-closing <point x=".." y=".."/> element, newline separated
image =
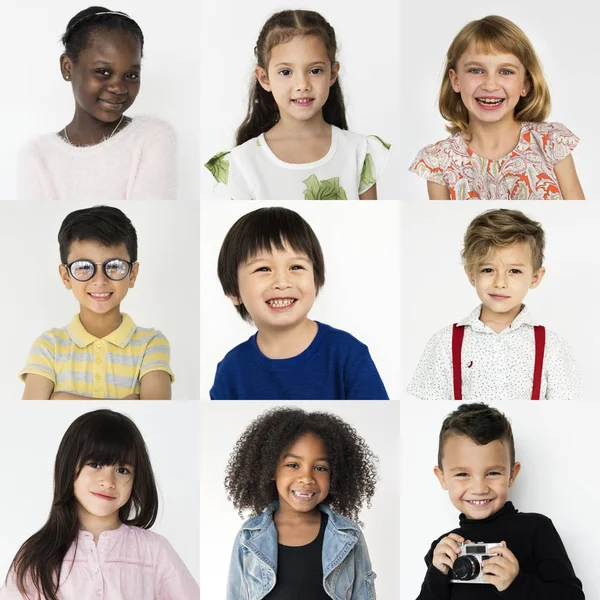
<point x="230" y="182"/>
<point x="432" y="379"/>
<point x="362" y="380"/>
<point x="41" y="359"/>
<point x="428" y="166"/>
<point x="562" y="377"/>
<point x="157" y="356"/>
<point x="376" y="157"/>
<point x="558" y="142"/>
<point x="175" y="582"/>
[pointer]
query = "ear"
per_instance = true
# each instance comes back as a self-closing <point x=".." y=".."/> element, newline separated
<point x="453" y="76"/>
<point x="441" y="478"/>
<point x="134" y="273"/>
<point x="526" y="87"/>
<point x="470" y="275"/>
<point x="335" y="71"/>
<point x="513" y="473"/>
<point x="64" y="276"/>
<point x="236" y="301"/>
<point x="261" y="75"/>
<point x="537" y="278"/>
<point x="66" y="66"/>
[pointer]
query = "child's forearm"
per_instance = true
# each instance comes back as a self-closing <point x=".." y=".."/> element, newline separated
<point x="68" y="396"/>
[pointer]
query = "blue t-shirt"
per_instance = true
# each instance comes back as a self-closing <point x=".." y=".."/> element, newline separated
<point x="336" y="366"/>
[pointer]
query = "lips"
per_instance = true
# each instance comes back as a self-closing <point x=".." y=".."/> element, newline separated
<point x="103" y="496"/>
<point x="100" y="296"/>
<point x="111" y="105"/>
<point x="304" y="495"/>
<point x="479" y="503"/>
<point x="303" y="101"/>
<point x="489" y="102"/>
<point x="499" y="296"/>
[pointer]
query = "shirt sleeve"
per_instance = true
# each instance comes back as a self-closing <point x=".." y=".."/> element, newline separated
<point x="562" y="377"/>
<point x="156" y="170"/>
<point x="230" y="182"/>
<point x="427" y="165"/>
<point x="554" y="578"/>
<point x="376" y="158"/>
<point x="362" y="378"/>
<point x="433" y="377"/>
<point x="41" y="359"/>
<point x="436" y="585"/>
<point x="558" y="142"/>
<point x="235" y="577"/>
<point x="32" y="183"/>
<point x="175" y="582"/>
<point x="364" y="576"/>
<point x="157" y="356"/>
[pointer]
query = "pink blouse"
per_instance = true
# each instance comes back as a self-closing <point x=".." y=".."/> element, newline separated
<point x="128" y="563"/>
<point x="526" y="173"/>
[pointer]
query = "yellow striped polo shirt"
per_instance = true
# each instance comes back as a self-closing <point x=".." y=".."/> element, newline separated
<point x="109" y="367"/>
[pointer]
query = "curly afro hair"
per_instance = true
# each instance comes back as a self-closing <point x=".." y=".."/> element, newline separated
<point x="251" y="467"/>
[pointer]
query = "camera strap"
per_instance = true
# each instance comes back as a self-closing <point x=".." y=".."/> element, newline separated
<point x="458" y="334"/>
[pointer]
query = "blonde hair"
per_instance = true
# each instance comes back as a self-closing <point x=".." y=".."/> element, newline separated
<point x="494" y="35"/>
<point x="499" y="228"/>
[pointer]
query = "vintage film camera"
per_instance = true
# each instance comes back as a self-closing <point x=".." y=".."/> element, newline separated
<point x="468" y="564"/>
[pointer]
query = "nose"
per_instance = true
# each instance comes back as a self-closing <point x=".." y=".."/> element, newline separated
<point x="479" y="486"/>
<point x="100" y="276"/>
<point x="500" y="280"/>
<point x="116" y="86"/>
<point x="301" y="82"/>
<point x="490" y="83"/>
<point x="306" y="475"/>
<point x="281" y="280"/>
<point x="107" y="477"/>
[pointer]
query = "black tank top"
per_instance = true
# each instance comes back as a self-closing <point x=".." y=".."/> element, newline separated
<point x="300" y="570"/>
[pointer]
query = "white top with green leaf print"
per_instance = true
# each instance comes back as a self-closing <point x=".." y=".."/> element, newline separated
<point x="252" y="172"/>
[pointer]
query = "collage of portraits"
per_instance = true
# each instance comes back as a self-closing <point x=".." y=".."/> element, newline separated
<point x="303" y="332"/>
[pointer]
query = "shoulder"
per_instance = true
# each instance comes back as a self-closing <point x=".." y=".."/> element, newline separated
<point x="552" y="138"/>
<point x="54" y="336"/>
<point x="339" y="337"/>
<point x="339" y="521"/>
<point x="40" y="145"/>
<point x="247" y="149"/>
<point x="237" y="355"/>
<point x="433" y="160"/>
<point x="555" y="342"/>
<point x="442" y="147"/>
<point x="148" y="335"/>
<point x="151" y="126"/>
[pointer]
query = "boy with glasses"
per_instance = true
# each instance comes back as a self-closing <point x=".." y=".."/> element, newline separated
<point x="101" y="353"/>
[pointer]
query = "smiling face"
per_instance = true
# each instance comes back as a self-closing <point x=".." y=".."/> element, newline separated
<point x="476" y="477"/>
<point x="303" y="475"/>
<point x="277" y="288"/>
<point x="299" y="75"/>
<point x="490" y="85"/>
<point x="101" y="490"/>
<point x="503" y="279"/>
<point x="106" y="76"/>
<point x="100" y="295"/>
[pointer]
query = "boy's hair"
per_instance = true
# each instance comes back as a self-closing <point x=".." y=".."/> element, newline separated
<point x="263" y="230"/>
<point x="494" y="35"/>
<point x="280" y="28"/>
<point x="92" y="21"/>
<point x="104" y="224"/>
<point x="499" y="228"/>
<point x="252" y="464"/>
<point x="480" y="423"/>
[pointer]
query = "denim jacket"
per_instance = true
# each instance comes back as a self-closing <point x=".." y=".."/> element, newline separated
<point x="347" y="573"/>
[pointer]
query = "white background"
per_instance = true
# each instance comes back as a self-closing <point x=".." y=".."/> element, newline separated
<point x="368" y="53"/>
<point x="35" y="99"/>
<point x="361" y="294"/>
<point x="554" y="443"/>
<point x="30" y="434"/>
<point x="165" y="296"/>
<point x="221" y="425"/>
<point x="564" y="37"/>
<point x="437" y="293"/>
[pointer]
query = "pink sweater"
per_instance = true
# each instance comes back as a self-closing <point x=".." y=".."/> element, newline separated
<point x="137" y="163"/>
<point x="128" y="563"/>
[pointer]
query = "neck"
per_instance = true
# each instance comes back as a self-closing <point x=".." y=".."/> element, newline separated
<point x="490" y="136"/>
<point x="100" y="325"/>
<point x="85" y="130"/>
<point x="96" y="525"/>
<point x="499" y="321"/>
<point x="286" y="514"/>
<point x="287" y="126"/>
<point x="288" y="342"/>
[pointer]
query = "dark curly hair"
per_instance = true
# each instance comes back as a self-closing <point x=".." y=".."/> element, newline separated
<point x="249" y="478"/>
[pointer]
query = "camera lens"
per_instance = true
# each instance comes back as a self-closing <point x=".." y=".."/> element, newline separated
<point x="465" y="568"/>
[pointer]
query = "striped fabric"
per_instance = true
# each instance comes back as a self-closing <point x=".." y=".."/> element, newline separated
<point x="110" y="367"/>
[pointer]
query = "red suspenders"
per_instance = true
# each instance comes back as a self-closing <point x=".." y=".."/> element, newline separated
<point x="458" y="334"/>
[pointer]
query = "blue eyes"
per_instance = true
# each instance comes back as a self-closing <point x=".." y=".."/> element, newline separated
<point x="478" y="71"/>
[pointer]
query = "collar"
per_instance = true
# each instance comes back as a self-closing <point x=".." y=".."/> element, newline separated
<point x="121" y="336"/>
<point x="523" y="318"/>
<point x="507" y="509"/>
<point x="108" y="534"/>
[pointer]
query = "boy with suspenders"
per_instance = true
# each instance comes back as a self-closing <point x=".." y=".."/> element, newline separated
<point x="500" y="351"/>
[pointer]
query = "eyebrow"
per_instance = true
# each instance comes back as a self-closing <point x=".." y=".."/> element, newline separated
<point x="264" y="258"/>
<point x="478" y="63"/>
<point x="286" y="64"/>
<point x="106" y="63"/>
<point x="493" y="467"/>
<point x="488" y="264"/>
<point x="301" y="457"/>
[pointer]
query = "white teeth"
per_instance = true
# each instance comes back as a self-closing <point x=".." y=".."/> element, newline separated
<point x="488" y="101"/>
<point x="303" y="100"/>
<point x="303" y="494"/>
<point x="100" y="295"/>
<point x="281" y="303"/>
<point x="478" y="502"/>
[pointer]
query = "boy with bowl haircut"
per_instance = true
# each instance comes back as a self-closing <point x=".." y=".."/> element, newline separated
<point x="101" y="353"/>
<point x="271" y="267"/>
<point x="500" y="351"/>
<point x="476" y="465"/>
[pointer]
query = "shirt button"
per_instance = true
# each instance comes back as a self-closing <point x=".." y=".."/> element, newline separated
<point x="97" y="571"/>
<point x="99" y="344"/>
<point x="99" y="361"/>
<point x="98" y="592"/>
<point x="97" y="377"/>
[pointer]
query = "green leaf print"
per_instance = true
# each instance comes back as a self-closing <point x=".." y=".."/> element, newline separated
<point x="219" y="167"/>
<point x="328" y="189"/>
<point x="385" y="144"/>
<point x="368" y="176"/>
<point x="257" y="142"/>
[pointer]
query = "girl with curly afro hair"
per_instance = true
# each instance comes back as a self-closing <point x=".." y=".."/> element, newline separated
<point x="304" y="477"/>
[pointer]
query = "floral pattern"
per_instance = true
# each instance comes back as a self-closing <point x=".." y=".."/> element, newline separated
<point x="527" y="173"/>
<point x="328" y="189"/>
<point x="219" y="167"/>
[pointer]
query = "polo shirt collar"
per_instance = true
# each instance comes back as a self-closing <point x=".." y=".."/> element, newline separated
<point x="523" y="318"/>
<point x="121" y="336"/>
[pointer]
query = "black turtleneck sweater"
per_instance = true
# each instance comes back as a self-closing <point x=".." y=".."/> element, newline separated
<point x="545" y="571"/>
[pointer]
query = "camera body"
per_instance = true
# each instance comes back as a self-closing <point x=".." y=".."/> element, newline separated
<point x="468" y="564"/>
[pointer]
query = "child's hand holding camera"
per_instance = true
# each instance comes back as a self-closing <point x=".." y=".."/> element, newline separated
<point x="499" y="570"/>
<point x="446" y="551"/>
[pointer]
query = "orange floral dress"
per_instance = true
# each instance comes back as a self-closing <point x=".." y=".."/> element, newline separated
<point x="527" y="173"/>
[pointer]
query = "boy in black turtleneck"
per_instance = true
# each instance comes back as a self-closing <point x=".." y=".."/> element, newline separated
<point x="476" y="464"/>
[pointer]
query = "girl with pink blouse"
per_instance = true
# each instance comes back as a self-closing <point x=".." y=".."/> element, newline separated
<point x="496" y="100"/>
<point x="96" y="541"/>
